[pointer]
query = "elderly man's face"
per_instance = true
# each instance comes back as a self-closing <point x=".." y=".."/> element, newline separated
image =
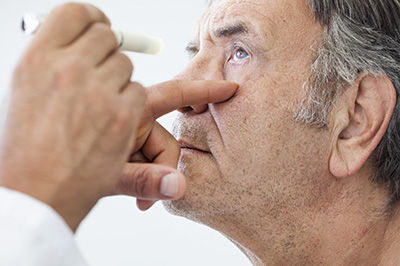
<point x="248" y="156"/>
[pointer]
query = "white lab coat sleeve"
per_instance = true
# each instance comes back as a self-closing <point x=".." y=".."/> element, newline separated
<point x="34" y="234"/>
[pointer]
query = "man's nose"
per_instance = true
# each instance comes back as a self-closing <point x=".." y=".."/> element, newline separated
<point x="201" y="67"/>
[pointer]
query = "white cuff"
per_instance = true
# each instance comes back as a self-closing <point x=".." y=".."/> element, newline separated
<point x="33" y="234"/>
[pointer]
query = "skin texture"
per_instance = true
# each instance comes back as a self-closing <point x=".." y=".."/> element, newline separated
<point x="156" y="152"/>
<point x="285" y="193"/>
<point x="75" y="119"/>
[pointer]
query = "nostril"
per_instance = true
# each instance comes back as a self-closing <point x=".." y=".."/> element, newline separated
<point x="185" y="109"/>
<point x="198" y="109"/>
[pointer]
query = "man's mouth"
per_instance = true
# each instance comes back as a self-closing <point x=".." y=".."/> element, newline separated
<point x="187" y="147"/>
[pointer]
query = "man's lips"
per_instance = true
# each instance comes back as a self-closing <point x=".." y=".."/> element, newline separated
<point x="190" y="147"/>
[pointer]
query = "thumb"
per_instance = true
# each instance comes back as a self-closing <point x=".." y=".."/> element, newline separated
<point x="151" y="182"/>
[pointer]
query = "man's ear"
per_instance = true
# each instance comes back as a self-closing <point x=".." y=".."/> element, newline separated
<point x="360" y="118"/>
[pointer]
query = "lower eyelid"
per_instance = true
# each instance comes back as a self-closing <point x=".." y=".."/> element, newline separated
<point x="237" y="62"/>
<point x="229" y="58"/>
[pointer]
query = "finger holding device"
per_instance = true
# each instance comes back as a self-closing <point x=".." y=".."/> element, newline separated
<point x="127" y="41"/>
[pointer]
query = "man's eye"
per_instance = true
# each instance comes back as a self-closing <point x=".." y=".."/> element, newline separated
<point x="240" y="54"/>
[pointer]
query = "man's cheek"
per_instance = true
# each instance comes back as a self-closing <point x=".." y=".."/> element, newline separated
<point x="233" y="113"/>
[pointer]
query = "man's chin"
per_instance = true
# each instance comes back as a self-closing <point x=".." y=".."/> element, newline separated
<point x="202" y="194"/>
<point x="172" y="206"/>
<point x="184" y="208"/>
<point x="179" y="208"/>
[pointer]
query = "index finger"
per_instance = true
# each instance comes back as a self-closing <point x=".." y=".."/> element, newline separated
<point x="66" y="22"/>
<point x="171" y="95"/>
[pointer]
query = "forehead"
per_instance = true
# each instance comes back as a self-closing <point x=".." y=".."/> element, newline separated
<point x="263" y="16"/>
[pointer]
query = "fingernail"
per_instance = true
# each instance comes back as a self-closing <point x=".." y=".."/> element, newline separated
<point x="169" y="185"/>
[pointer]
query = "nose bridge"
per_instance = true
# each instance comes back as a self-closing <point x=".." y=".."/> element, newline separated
<point x="203" y="66"/>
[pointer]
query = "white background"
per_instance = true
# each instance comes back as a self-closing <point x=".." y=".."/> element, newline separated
<point x="115" y="232"/>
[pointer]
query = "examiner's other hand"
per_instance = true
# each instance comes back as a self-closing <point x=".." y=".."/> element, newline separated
<point x="159" y="179"/>
<point x="73" y="114"/>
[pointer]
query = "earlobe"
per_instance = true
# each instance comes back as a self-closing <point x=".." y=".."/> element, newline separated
<point x="360" y="119"/>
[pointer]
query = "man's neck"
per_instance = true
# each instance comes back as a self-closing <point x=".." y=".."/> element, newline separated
<point x="344" y="234"/>
<point x="360" y="244"/>
<point x="391" y="249"/>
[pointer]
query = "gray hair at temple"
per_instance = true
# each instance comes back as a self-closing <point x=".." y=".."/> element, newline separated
<point x="359" y="36"/>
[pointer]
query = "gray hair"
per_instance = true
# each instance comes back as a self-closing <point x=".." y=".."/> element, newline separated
<point x="359" y="36"/>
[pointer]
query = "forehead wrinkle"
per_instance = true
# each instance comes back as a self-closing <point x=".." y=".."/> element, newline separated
<point x="220" y="20"/>
<point x="244" y="17"/>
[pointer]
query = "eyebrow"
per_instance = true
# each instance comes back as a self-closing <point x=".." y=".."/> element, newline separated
<point x="236" y="28"/>
<point x="191" y="48"/>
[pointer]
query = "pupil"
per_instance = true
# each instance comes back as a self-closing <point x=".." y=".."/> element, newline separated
<point x="240" y="54"/>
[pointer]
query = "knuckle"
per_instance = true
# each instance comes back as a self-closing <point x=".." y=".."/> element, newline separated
<point x="101" y="33"/>
<point x="102" y="29"/>
<point x="109" y="36"/>
<point x="171" y="84"/>
<point x="139" y="88"/>
<point x="135" y="99"/>
<point x="76" y="11"/>
<point x="125" y="63"/>
<point x="120" y="65"/>
<point x="176" y="83"/>
<point x="139" y="91"/>
<point x="144" y="183"/>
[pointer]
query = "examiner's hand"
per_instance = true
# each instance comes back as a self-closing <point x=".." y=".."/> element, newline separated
<point x="73" y="114"/>
<point x="160" y="179"/>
